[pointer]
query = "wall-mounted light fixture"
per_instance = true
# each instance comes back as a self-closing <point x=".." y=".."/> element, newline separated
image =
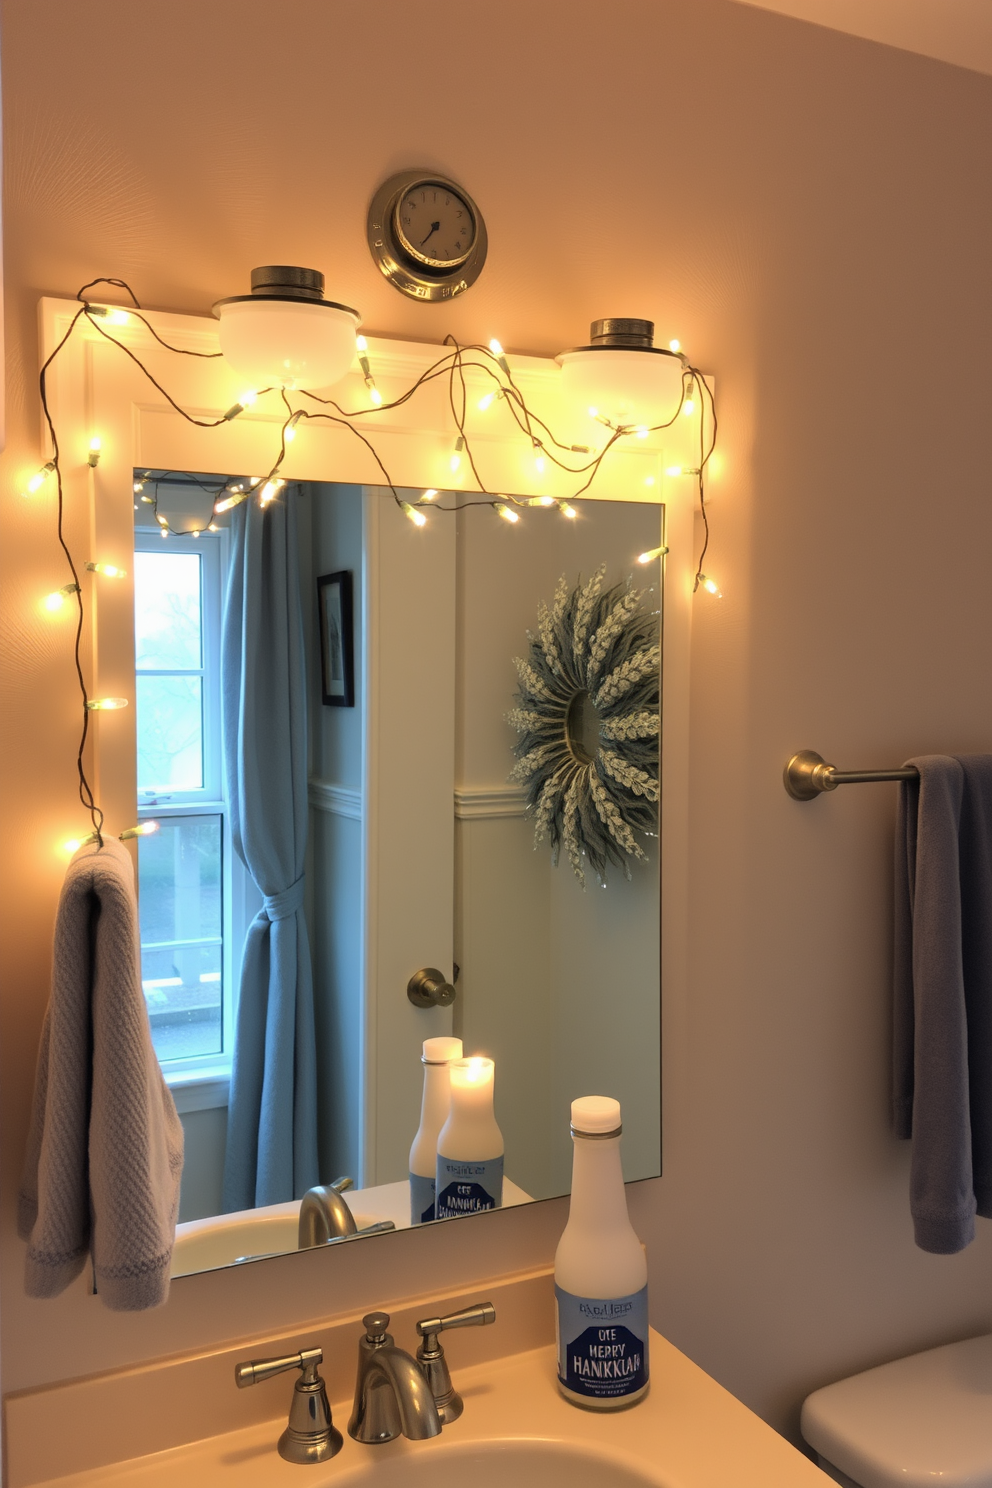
<point x="285" y="334"/>
<point x="621" y="378"/>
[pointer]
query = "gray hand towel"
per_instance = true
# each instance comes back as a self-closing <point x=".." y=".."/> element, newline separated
<point x="942" y="1049"/>
<point x="105" y="1147"/>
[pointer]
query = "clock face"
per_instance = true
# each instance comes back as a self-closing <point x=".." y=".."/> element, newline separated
<point x="435" y="225"/>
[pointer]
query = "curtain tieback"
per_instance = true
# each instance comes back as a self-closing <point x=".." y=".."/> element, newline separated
<point x="284" y="905"/>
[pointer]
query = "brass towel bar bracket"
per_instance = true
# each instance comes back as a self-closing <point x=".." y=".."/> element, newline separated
<point x="807" y="775"/>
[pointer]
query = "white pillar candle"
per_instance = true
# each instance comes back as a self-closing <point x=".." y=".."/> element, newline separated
<point x="470" y="1144"/>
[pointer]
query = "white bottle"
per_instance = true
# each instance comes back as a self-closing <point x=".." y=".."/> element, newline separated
<point x="601" y="1274"/>
<point x="438" y="1054"/>
<point x="470" y="1144"/>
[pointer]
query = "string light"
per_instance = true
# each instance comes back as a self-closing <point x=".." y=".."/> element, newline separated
<point x="39" y="478"/>
<point x="289" y="433"/>
<point x="500" y="356"/>
<point x="73" y="844"/>
<point x="57" y="599"/>
<point x="652" y="554"/>
<point x="226" y="503"/>
<point x="451" y="363"/>
<point x="109" y="570"/>
<point x="673" y="471"/>
<point x="429" y="494"/>
<point x="540" y="501"/>
<point x="245" y="400"/>
<point x="362" y="347"/>
<point x="143" y="829"/>
<point x="114" y="315"/>
<point x="710" y="585"/>
<point x="675" y="346"/>
<point x="416" y="517"/>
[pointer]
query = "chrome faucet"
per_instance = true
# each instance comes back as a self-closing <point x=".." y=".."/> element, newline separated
<point x="392" y="1394"/>
<point x="430" y="1356"/>
<point x="324" y="1216"/>
<point x="311" y="1435"/>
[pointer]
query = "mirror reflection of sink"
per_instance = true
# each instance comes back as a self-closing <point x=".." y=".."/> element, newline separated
<point x="494" y="1464"/>
<point x="205" y="1244"/>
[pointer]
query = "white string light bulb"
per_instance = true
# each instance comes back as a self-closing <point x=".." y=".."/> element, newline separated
<point x="429" y="494"/>
<point x="500" y="356"/>
<point x="540" y="464"/>
<point x="143" y="829"/>
<point x="93" y="458"/>
<point x="675" y="346"/>
<point x="567" y="510"/>
<point x="652" y="554"/>
<point x="456" y="458"/>
<point x="289" y="433"/>
<point x="689" y="402"/>
<point x="109" y="570"/>
<point x="54" y="602"/>
<point x="106" y="705"/>
<point x="416" y="517"/>
<point x="507" y="513"/>
<point x="362" y="347"/>
<point x="540" y="501"/>
<point x="710" y="585"/>
<point x="39" y="478"/>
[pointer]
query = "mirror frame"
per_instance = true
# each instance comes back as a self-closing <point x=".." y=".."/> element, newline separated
<point x="94" y="388"/>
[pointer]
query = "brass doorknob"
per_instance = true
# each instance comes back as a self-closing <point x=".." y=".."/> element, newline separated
<point x="428" y="988"/>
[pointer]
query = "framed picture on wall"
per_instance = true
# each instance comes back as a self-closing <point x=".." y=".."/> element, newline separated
<point x="337" y="643"/>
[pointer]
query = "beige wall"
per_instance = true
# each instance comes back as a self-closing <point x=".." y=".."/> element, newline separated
<point x="811" y="215"/>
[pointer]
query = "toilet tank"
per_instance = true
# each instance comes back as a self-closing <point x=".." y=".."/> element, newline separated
<point x="915" y="1423"/>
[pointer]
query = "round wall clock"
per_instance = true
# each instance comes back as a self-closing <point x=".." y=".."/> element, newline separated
<point x="427" y="235"/>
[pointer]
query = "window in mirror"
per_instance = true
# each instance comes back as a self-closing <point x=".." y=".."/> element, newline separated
<point x="184" y="870"/>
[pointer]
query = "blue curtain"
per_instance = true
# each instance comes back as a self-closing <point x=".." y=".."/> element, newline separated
<point x="272" y="1116"/>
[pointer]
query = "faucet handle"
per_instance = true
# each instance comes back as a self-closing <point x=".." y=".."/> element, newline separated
<point x="311" y="1435"/>
<point x="469" y="1317"/>
<point x="430" y="1355"/>
<point x="257" y="1370"/>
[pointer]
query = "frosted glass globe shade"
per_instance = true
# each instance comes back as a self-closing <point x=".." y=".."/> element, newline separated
<point x="626" y="386"/>
<point x="287" y="342"/>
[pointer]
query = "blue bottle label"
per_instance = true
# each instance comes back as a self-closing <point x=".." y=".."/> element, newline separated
<point x="468" y="1187"/>
<point x="421" y="1199"/>
<point x="602" y="1344"/>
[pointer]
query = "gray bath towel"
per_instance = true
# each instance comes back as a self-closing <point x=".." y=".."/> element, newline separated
<point x="942" y="1051"/>
<point x="105" y="1148"/>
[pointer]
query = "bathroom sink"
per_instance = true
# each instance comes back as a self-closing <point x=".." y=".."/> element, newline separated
<point x="205" y="1244"/>
<point x="490" y="1464"/>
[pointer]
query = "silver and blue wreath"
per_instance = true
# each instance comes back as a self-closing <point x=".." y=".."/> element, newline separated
<point x="605" y="644"/>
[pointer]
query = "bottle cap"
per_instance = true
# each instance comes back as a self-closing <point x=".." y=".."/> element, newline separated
<point x="596" y="1116"/>
<point x="441" y="1050"/>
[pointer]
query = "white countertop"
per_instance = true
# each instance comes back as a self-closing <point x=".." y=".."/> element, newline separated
<point x="688" y="1433"/>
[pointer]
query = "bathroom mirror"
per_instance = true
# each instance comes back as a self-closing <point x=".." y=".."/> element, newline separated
<point x="419" y="863"/>
<point x="420" y="853"/>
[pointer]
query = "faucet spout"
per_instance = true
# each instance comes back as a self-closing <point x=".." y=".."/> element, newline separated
<point x="392" y="1393"/>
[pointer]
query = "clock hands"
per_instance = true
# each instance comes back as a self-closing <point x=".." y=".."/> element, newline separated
<point x="434" y="228"/>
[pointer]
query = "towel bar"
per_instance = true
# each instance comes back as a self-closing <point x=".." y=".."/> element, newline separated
<point x="807" y="775"/>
